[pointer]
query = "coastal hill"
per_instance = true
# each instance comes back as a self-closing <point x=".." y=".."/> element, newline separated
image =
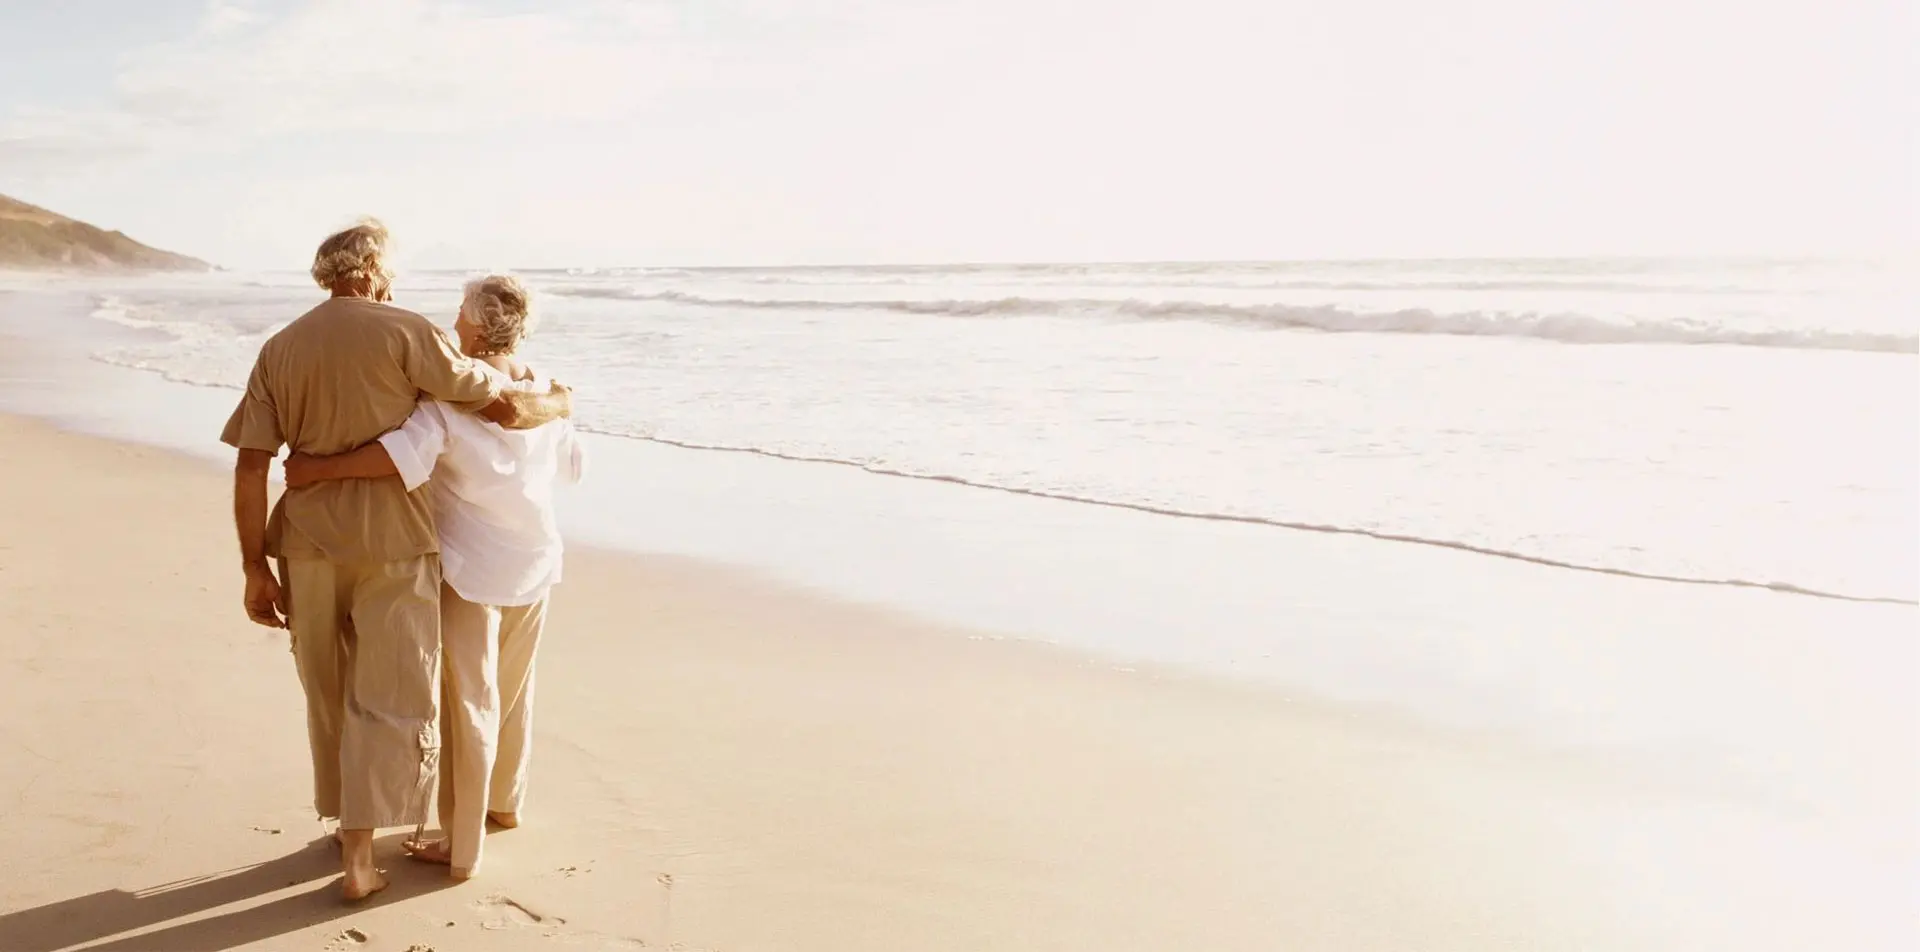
<point x="32" y="238"/>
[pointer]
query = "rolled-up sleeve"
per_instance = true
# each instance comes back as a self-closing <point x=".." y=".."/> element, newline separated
<point x="255" y="424"/>
<point x="440" y="371"/>
<point x="417" y="444"/>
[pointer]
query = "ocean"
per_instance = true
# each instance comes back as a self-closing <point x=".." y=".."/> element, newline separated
<point x="1748" y="423"/>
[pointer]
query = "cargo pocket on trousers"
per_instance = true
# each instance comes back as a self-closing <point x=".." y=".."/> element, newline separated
<point x="429" y="741"/>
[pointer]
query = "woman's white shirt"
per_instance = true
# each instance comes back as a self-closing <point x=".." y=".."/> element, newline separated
<point x="492" y="496"/>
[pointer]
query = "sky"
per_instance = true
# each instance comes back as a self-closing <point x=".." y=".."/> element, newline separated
<point x="669" y="132"/>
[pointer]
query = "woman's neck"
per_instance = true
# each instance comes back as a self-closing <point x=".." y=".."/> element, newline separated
<point x="507" y="364"/>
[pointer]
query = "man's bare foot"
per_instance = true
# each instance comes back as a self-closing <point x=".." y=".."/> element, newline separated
<point x="359" y="885"/>
<point x="356" y="859"/>
<point x="505" y="821"/>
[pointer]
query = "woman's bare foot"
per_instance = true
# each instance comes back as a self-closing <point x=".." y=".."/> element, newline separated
<point x="505" y="821"/>
<point x="439" y="851"/>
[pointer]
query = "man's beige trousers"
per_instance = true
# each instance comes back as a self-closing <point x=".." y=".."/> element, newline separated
<point x="366" y="641"/>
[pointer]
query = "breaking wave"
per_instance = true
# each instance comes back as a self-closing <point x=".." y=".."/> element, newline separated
<point x="1565" y="328"/>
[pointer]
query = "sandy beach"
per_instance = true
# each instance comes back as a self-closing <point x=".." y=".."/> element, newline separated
<point x="725" y="762"/>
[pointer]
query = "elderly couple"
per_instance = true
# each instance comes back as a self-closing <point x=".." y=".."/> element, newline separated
<point x="383" y="583"/>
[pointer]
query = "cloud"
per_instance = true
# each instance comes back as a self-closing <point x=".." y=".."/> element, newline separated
<point x="226" y="15"/>
<point x="37" y="143"/>
<point x="404" y="65"/>
<point x="359" y="67"/>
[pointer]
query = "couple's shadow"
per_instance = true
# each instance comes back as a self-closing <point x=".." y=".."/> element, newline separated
<point x="85" y="919"/>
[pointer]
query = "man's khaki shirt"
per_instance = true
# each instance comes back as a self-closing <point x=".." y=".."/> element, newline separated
<point x="336" y="379"/>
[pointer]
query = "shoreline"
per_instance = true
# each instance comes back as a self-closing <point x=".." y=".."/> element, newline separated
<point x="1392" y="538"/>
<point x="725" y="761"/>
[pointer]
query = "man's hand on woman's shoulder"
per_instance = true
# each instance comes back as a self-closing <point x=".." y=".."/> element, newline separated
<point x="521" y="410"/>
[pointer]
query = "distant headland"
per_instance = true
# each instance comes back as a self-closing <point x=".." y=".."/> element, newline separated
<point x="34" y="239"/>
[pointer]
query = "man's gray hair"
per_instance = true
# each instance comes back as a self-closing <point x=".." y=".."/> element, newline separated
<point x="502" y="308"/>
<point x="356" y="254"/>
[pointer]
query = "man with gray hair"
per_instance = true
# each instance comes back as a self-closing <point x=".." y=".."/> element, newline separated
<point x="359" y="581"/>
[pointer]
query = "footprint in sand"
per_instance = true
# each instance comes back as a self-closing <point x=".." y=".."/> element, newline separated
<point x="500" y="911"/>
<point x="350" y="939"/>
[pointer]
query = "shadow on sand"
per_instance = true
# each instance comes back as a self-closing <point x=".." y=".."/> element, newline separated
<point x="91" y="918"/>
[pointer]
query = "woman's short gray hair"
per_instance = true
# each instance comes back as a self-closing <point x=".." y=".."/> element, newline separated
<point x="358" y="254"/>
<point x="501" y="307"/>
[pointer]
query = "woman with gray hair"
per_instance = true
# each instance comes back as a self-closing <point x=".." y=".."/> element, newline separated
<point x="500" y="553"/>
